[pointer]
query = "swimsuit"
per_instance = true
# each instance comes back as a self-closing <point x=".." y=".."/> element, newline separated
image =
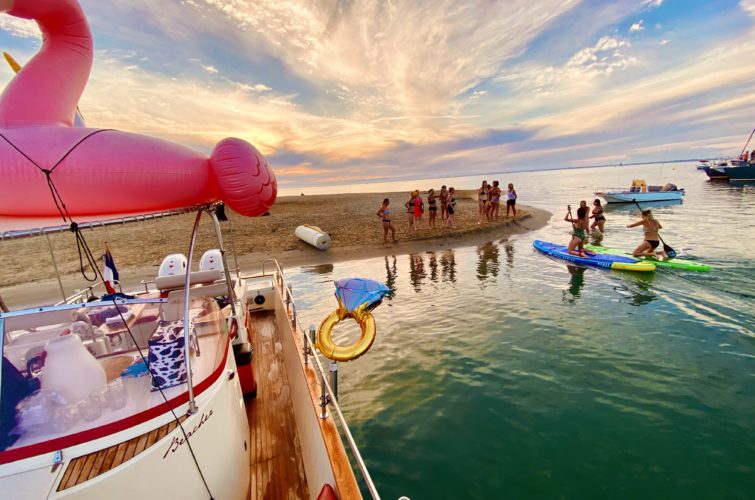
<point x="410" y="206"/>
<point x="511" y="195"/>
<point x="451" y="206"/>
<point x="579" y="233"/>
<point x="386" y="212"/>
<point x="653" y="243"/>
<point x="599" y="215"/>
<point x="432" y="207"/>
<point x="418" y="207"/>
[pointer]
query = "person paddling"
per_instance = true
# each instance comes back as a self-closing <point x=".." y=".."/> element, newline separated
<point x="579" y="232"/>
<point x="651" y="226"/>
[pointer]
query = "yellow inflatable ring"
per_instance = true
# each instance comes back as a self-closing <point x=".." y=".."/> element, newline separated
<point x="333" y="351"/>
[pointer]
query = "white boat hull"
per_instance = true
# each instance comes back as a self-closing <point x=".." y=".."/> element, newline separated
<point x="629" y="197"/>
<point x="164" y="470"/>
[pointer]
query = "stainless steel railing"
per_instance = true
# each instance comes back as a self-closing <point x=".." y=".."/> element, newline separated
<point x="327" y="394"/>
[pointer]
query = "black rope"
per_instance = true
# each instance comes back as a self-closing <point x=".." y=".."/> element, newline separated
<point x="165" y="398"/>
<point x="85" y="252"/>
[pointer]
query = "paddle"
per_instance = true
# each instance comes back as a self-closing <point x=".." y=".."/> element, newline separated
<point x="669" y="251"/>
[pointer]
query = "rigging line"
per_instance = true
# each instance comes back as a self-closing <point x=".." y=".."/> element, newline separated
<point x="165" y="398"/>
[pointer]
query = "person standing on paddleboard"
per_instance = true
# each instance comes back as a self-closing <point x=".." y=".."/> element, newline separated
<point x="579" y="225"/>
<point x="651" y="227"/>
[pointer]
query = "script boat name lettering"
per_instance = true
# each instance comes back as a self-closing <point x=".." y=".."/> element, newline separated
<point x="177" y="441"/>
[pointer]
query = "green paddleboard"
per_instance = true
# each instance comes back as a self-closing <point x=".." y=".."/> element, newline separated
<point x="687" y="265"/>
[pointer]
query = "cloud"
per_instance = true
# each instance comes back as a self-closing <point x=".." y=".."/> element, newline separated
<point x="748" y="6"/>
<point x="651" y="3"/>
<point x="577" y="75"/>
<point x="637" y="27"/>
<point x="210" y="69"/>
<point x="17" y="27"/>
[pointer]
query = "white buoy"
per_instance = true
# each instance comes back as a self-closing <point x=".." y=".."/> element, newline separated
<point x="314" y="236"/>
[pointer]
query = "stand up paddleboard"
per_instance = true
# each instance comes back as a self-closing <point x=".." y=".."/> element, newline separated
<point x="605" y="261"/>
<point x="677" y="263"/>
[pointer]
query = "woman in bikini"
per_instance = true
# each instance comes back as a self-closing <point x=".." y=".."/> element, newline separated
<point x="432" y="207"/>
<point x="410" y="209"/>
<point x="451" y="220"/>
<point x="583" y="205"/>
<point x="482" y="201"/>
<point x="597" y="214"/>
<point x="495" y="201"/>
<point x="443" y="203"/>
<point x="384" y="212"/>
<point x="651" y="227"/>
<point x="579" y="227"/>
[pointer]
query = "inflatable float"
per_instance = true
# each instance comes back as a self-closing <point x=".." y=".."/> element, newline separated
<point x="46" y="162"/>
<point x="314" y="236"/>
<point x="356" y="297"/>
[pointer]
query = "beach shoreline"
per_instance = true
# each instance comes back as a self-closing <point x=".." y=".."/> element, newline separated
<point x="349" y="219"/>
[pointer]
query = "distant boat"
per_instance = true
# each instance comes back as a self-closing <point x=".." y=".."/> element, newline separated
<point x="641" y="192"/>
<point x="743" y="173"/>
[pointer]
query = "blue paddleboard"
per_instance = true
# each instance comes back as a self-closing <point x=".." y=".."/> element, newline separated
<point x="598" y="260"/>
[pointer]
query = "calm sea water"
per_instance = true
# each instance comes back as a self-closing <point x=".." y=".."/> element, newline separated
<point x="499" y="372"/>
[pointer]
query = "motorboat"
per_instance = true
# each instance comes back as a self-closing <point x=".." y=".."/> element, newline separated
<point x="743" y="173"/>
<point x="639" y="191"/>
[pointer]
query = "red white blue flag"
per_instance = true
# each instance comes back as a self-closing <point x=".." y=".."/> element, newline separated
<point x="110" y="273"/>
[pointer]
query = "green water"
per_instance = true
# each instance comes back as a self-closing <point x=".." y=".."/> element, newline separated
<point x="501" y="373"/>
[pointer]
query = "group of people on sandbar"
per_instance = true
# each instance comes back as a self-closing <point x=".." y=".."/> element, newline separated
<point x="581" y="229"/>
<point x="489" y="201"/>
<point x="415" y="209"/>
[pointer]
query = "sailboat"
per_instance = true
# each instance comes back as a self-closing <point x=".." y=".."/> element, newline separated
<point x="200" y="384"/>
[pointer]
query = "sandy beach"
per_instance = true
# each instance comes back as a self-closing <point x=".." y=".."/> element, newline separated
<point x="350" y="219"/>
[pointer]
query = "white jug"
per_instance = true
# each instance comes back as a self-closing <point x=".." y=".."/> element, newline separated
<point x="71" y="370"/>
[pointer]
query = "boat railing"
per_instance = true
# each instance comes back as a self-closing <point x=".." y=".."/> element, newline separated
<point x="328" y="394"/>
<point x="85" y="294"/>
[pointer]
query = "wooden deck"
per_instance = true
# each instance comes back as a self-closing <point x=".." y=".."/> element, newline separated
<point x="276" y="467"/>
<point x="88" y="467"/>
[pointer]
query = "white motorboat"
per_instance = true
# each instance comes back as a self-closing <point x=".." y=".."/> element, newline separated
<point x="641" y="192"/>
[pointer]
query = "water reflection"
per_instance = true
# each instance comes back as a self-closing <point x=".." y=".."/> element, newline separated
<point x="508" y="247"/>
<point x="416" y="271"/>
<point x="576" y="283"/>
<point x="487" y="261"/>
<point x="639" y="293"/>
<point x="391" y="273"/>
<point x="433" y="264"/>
<point x="448" y="266"/>
<point x="318" y="269"/>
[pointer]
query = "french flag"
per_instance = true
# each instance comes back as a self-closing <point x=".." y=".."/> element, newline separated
<point x="110" y="273"/>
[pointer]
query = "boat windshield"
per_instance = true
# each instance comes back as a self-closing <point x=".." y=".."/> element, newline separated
<point x="78" y="372"/>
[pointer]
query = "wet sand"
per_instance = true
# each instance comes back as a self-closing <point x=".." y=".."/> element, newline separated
<point x="29" y="278"/>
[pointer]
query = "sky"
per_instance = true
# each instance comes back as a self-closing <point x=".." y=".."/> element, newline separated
<point x="337" y="92"/>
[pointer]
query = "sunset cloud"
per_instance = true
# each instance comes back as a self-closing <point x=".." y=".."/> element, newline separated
<point x="363" y="89"/>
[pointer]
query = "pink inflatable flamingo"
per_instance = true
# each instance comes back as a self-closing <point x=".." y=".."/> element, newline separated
<point x="101" y="171"/>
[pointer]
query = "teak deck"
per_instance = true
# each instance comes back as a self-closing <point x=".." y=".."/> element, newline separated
<point x="276" y="467"/>
<point x="88" y="467"/>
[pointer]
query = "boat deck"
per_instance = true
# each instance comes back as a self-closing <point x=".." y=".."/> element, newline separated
<point x="276" y="467"/>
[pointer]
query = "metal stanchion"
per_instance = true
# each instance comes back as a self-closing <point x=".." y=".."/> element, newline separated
<point x="334" y="378"/>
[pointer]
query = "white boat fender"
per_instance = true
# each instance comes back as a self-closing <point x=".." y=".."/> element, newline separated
<point x="314" y="236"/>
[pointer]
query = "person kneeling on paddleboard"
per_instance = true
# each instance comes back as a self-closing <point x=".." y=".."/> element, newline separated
<point x="579" y="232"/>
<point x="652" y="239"/>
